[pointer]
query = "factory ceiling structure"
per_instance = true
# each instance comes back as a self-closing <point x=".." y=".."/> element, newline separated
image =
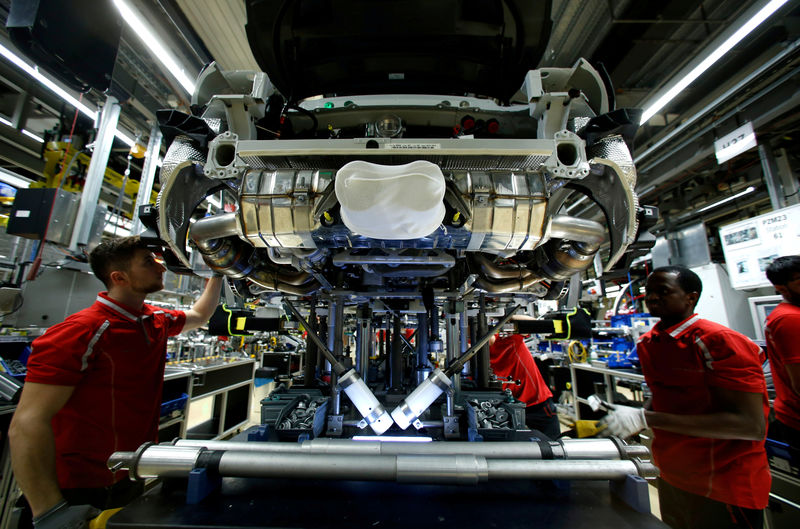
<point x="646" y="48"/>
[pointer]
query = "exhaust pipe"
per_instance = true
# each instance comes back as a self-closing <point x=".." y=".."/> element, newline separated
<point x="217" y="238"/>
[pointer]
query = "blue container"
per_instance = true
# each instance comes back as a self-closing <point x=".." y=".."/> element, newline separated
<point x="174" y="405"/>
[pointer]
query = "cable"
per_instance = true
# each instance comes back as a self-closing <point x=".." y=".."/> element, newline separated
<point x="16" y="308"/>
<point x="577" y="357"/>
<point x="308" y="113"/>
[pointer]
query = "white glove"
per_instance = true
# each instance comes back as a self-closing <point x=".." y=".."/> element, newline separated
<point x="623" y="421"/>
<point x="65" y="516"/>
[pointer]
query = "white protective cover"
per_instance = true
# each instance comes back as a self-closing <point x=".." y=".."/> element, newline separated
<point x="394" y="202"/>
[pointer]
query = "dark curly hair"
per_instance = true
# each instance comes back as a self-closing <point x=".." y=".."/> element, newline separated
<point x="114" y="254"/>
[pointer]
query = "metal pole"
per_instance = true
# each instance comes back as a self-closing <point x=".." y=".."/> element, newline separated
<point x="562" y="449"/>
<point x="459" y="363"/>
<point x="774" y="187"/>
<point x="422" y="369"/>
<point x="323" y="336"/>
<point x="310" y="365"/>
<point x="459" y="469"/>
<point x="387" y="364"/>
<point x="396" y="373"/>
<point x="453" y="343"/>
<point x="364" y="335"/>
<point x="148" y="177"/>
<point x="483" y="358"/>
<point x="337" y="366"/>
<point x="95" y="174"/>
<point x="338" y="346"/>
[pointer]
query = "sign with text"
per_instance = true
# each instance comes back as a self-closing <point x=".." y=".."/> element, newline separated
<point x="751" y="245"/>
<point x="735" y="143"/>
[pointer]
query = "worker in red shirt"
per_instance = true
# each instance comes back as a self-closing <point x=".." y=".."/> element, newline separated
<point x="708" y="411"/>
<point x="511" y="360"/>
<point x="93" y="387"/>
<point x="783" y="336"/>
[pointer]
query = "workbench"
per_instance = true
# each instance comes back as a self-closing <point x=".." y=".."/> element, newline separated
<point x="289" y="504"/>
<point x="609" y="381"/>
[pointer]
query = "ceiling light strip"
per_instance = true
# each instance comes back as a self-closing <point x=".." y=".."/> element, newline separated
<point x="713" y="57"/>
<point x="726" y="200"/>
<point x="153" y="43"/>
<point x="34" y="72"/>
<point x="32" y="135"/>
<point x="14" y="179"/>
<point x="736" y="89"/>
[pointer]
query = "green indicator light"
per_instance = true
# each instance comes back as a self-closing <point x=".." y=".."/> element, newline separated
<point x="328" y="105"/>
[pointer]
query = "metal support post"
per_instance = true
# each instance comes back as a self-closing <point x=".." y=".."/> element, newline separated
<point x="472" y="329"/>
<point x="396" y="373"/>
<point x="323" y="335"/>
<point x="422" y="368"/>
<point x="769" y="169"/>
<point x="483" y="357"/>
<point x="450" y="419"/>
<point x="148" y="177"/>
<point x="336" y="314"/>
<point x="310" y="364"/>
<point x="453" y="336"/>
<point x="364" y="317"/>
<point x="462" y="335"/>
<point x="95" y="174"/>
<point x="387" y="340"/>
<point x="791" y="191"/>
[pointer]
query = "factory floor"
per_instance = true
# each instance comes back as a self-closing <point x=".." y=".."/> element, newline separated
<point x="261" y="392"/>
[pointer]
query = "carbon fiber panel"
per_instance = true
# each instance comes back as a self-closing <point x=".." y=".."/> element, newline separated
<point x="447" y="163"/>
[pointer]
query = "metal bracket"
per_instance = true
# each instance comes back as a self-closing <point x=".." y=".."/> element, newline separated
<point x="451" y="429"/>
<point x="335" y="425"/>
<point x="223" y="158"/>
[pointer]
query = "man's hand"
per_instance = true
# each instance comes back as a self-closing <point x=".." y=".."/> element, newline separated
<point x="65" y="516"/>
<point x="623" y="421"/>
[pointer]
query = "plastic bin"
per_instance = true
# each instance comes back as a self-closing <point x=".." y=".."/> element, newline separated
<point x="273" y="405"/>
<point x="516" y="419"/>
<point x="317" y="423"/>
<point x="178" y="404"/>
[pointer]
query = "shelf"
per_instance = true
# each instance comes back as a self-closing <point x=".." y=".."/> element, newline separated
<point x="17" y="339"/>
<point x="174" y="420"/>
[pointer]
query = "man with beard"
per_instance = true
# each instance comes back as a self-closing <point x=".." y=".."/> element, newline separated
<point x="93" y="387"/>
<point x="708" y="411"/>
<point x="783" y="335"/>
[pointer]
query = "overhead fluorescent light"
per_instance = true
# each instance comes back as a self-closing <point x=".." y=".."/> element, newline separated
<point x="34" y="72"/>
<point x="32" y="135"/>
<point x="726" y="200"/>
<point x="14" y="179"/>
<point x="392" y="438"/>
<point x="153" y="43"/>
<point x="124" y="138"/>
<point x="712" y="58"/>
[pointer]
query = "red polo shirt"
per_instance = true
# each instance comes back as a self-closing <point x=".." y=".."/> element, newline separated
<point x="681" y="364"/>
<point x="114" y="357"/>
<point x="510" y="356"/>
<point x="783" y="337"/>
